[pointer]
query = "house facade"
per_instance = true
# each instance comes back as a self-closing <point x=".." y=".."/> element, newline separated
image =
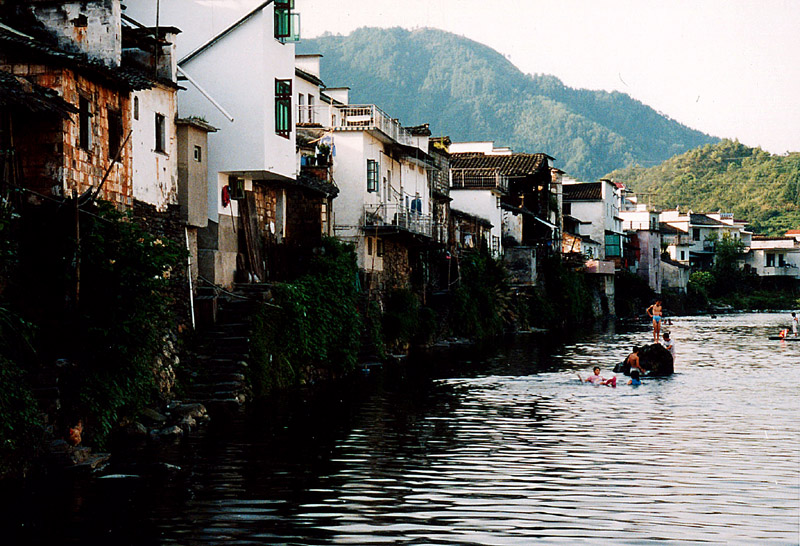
<point x="642" y="224"/>
<point x="774" y="257"/>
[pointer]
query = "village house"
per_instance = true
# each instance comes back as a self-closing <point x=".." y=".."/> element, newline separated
<point x="701" y="232"/>
<point x="596" y="206"/>
<point x="73" y="48"/>
<point x="265" y="214"/>
<point x="776" y="257"/>
<point x="641" y="226"/>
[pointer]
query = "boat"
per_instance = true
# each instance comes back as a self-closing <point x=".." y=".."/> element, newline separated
<point x="787" y="338"/>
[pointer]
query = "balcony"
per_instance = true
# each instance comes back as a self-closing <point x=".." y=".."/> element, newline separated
<point x="398" y="217"/>
<point x="478" y="179"/>
<point x="787" y="270"/>
<point x="370" y="117"/>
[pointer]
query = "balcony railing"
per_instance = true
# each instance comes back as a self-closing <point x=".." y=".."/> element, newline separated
<point x="396" y="215"/>
<point x="787" y="270"/>
<point x="478" y="179"/>
<point x="371" y="117"/>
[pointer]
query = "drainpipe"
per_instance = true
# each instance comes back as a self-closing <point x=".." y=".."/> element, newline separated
<point x="189" y="275"/>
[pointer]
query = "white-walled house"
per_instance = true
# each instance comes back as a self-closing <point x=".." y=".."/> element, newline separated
<point x="598" y="203"/>
<point x="701" y="231"/>
<point x="239" y="77"/>
<point x="774" y="256"/>
<point x="642" y="223"/>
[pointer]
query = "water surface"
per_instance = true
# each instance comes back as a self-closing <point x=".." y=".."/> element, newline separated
<point x="511" y="450"/>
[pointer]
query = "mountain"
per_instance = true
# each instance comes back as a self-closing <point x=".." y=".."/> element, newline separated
<point x="761" y="188"/>
<point x="468" y="91"/>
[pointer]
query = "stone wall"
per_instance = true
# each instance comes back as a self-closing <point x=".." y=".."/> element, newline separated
<point x="167" y="225"/>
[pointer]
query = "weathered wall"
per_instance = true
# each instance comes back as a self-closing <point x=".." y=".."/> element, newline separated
<point x="64" y="164"/>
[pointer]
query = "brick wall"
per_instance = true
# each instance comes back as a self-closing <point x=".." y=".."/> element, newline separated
<point x="62" y="165"/>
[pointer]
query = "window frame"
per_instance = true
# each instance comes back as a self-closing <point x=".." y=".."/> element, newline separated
<point x="114" y="134"/>
<point x="84" y="122"/>
<point x="283" y="107"/>
<point x="373" y="176"/>
<point x="160" y="133"/>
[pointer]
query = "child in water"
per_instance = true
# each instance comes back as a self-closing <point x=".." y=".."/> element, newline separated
<point x="635" y="378"/>
<point x="597" y="379"/>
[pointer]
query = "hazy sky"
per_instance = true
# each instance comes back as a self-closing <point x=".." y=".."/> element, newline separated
<point x="730" y="68"/>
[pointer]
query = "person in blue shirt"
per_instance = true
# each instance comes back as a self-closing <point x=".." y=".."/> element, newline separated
<point x="635" y="378"/>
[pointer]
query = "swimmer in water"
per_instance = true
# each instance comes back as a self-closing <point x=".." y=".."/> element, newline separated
<point x="597" y="379"/>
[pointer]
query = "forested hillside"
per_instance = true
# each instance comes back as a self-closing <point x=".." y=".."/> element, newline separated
<point x="756" y="186"/>
<point x="470" y="92"/>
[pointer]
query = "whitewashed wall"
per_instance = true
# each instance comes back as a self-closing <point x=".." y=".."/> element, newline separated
<point x="155" y="174"/>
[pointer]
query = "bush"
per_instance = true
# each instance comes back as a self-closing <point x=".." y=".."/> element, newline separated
<point x="20" y="422"/>
<point x="313" y="325"/>
<point x="481" y="301"/>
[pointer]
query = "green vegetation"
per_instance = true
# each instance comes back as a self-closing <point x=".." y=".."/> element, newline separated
<point x="563" y="298"/>
<point x="107" y="328"/>
<point x="481" y="304"/>
<point x="312" y="328"/>
<point x="470" y="92"/>
<point x="758" y="187"/>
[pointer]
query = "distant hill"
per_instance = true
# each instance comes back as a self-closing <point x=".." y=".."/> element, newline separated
<point x="470" y="92"/>
<point x="756" y="186"/>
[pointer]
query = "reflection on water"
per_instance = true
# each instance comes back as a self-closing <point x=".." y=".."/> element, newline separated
<point x="511" y="451"/>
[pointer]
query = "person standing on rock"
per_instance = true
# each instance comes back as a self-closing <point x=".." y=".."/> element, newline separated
<point x="794" y="324"/>
<point x="669" y="345"/>
<point x="654" y="312"/>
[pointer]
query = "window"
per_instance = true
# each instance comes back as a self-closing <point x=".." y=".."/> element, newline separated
<point x="655" y="254"/>
<point x="301" y="110"/>
<point x="369" y="246"/>
<point x="781" y="260"/>
<point x="136" y="108"/>
<point x="567" y="208"/>
<point x="161" y="133"/>
<point x="283" y="108"/>
<point x="695" y="234"/>
<point x="770" y="260"/>
<point x="198" y="154"/>
<point x="236" y="187"/>
<point x="114" y="134"/>
<point x="287" y="24"/>
<point x="379" y="247"/>
<point x="84" y="123"/>
<point x="372" y="175"/>
<point x="613" y="245"/>
<point x="311" y="109"/>
<point x="683" y="255"/>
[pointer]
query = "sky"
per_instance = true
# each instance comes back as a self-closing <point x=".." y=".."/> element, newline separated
<point x="729" y="68"/>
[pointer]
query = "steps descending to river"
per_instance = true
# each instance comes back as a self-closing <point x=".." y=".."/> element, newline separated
<point x="222" y="356"/>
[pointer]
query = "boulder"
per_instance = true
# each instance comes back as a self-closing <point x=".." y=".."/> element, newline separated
<point x="655" y="359"/>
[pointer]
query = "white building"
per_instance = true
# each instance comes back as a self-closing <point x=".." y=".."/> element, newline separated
<point x="599" y="204"/>
<point x="774" y="256"/>
<point x="239" y="76"/>
<point x="700" y="231"/>
<point x="641" y="224"/>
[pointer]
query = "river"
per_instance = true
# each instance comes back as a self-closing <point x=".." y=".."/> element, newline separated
<point x="507" y="450"/>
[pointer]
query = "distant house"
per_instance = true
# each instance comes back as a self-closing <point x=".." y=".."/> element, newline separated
<point x="674" y="275"/>
<point x="641" y="223"/>
<point x="512" y="190"/>
<point x="774" y="256"/>
<point x="702" y="231"/>
<point x="597" y="203"/>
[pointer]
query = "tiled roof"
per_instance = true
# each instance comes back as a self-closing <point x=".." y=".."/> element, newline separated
<point x="317" y="184"/>
<point x="19" y="47"/>
<point x="420" y="130"/>
<point x="588" y="191"/>
<point x="509" y="165"/>
<point x="703" y="220"/>
<point x="17" y="92"/>
<point x="670" y="230"/>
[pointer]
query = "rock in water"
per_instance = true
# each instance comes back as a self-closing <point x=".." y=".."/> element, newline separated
<point x="656" y="360"/>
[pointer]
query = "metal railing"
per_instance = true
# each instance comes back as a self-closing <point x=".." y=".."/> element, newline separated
<point x="479" y="178"/>
<point x="371" y="117"/>
<point x="397" y="215"/>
